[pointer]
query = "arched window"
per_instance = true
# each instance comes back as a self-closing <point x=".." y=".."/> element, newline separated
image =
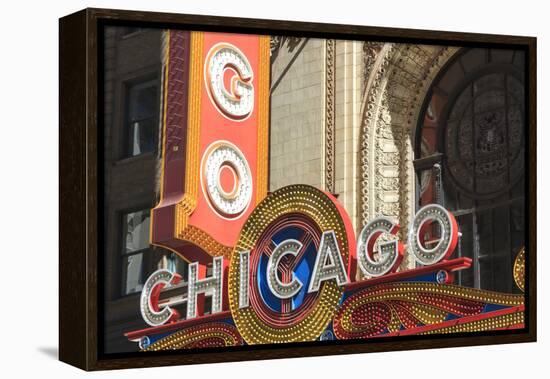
<point x="470" y="157"/>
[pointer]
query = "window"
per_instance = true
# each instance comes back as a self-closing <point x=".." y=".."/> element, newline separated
<point x="141" y="117"/>
<point x="470" y="159"/>
<point x="176" y="264"/>
<point x="134" y="252"/>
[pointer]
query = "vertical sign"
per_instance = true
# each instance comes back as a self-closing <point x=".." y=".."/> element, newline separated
<point x="215" y="141"/>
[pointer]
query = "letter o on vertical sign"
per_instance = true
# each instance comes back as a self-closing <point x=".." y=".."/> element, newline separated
<point x="423" y="219"/>
<point x="391" y="253"/>
<point x="150" y="297"/>
<point x="237" y="101"/>
<point x="219" y="156"/>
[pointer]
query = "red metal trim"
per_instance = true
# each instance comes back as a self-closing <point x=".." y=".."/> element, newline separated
<point x="137" y="334"/>
<point x="451" y="265"/>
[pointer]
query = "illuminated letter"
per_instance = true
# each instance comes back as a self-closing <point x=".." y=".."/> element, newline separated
<point x="334" y="269"/>
<point x="244" y="258"/>
<point x="422" y="224"/>
<point x="236" y="102"/>
<point x="209" y="286"/>
<point x="219" y="156"/>
<point x="390" y="254"/>
<point x="149" y="302"/>
<point x="280" y="289"/>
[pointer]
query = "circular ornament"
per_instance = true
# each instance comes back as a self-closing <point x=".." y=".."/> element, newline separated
<point x="301" y="213"/>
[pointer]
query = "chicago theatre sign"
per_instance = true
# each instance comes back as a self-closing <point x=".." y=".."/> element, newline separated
<point x="284" y="266"/>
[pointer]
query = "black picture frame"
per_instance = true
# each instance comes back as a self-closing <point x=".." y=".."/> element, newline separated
<point x="80" y="197"/>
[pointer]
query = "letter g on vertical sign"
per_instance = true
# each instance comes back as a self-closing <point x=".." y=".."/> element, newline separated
<point x="237" y="101"/>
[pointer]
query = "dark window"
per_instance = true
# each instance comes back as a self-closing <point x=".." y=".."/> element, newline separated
<point x="470" y="159"/>
<point x="141" y="117"/>
<point x="135" y="248"/>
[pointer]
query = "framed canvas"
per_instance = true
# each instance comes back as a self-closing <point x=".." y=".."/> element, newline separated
<point x="237" y="189"/>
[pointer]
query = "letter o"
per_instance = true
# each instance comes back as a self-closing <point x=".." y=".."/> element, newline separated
<point x="218" y="156"/>
<point x="448" y="239"/>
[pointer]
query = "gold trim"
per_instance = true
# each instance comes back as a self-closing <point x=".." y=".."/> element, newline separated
<point x="519" y="270"/>
<point x="192" y="162"/>
<point x="263" y="118"/>
<point x="497" y="322"/>
<point x="185" y="338"/>
<point x="205" y="241"/>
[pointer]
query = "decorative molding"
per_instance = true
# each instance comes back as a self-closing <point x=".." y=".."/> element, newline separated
<point x="397" y="79"/>
<point x="371" y="51"/>
<point x="330" y="115"/>
<point x="373" y="90"/>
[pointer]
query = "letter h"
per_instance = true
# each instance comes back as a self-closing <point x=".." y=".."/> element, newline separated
<point x="212" y="285"/>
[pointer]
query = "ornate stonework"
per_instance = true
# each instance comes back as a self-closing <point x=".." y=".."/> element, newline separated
<point x="373" y="92"/>
<point x="371" y="51"/>
<point x="397" y="81"/>
<point x="330" y="84"/>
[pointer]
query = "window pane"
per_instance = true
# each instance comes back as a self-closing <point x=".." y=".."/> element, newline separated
<point x="177" y="265"/>
<point x="142" y="101"/>
<point x="137" y="231"/>
<point x="141" y="118"/>
<point x="479" y="126"/>
<point x="465" y="248"/>
<point x="133" y="266"/>
<point x="142" y="136"/>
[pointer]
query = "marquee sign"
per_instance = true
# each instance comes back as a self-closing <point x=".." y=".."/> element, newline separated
<point x="285" y="266"/>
